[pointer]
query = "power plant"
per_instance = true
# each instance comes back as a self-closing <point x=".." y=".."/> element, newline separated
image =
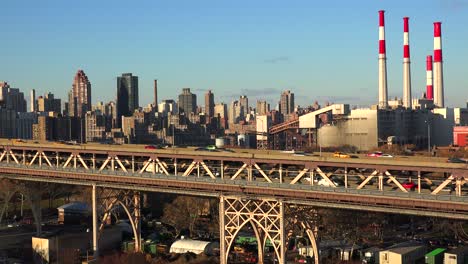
<point x="406" y="66"/>
<point x="406" y="121"/>
<point x="383" y="93"/>
<point x="438" y="70"/>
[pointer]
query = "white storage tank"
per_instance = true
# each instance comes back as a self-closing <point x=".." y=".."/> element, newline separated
<point x="219" y="142"/>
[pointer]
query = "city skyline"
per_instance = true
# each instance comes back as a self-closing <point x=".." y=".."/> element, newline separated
<point x="253" y="55"/>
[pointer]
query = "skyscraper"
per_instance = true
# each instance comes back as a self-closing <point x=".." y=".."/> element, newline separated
<point x="262" y="107"/>
<point x="32" y="101"/>
<point x="127" y="96"/>
<point x="209" y="105"/>
<point x="244" y="106"/>
<point x="286" y="105"/>
<point x="79" y="98"/>
<point x="187" y="101"/>
<point x="155" y="103"/>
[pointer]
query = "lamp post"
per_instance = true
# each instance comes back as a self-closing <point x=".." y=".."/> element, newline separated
<point x="428" y="136"/>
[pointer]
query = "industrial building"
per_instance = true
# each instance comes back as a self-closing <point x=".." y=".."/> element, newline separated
<point x="423" y="122"/>
<point x="403" y="253"/>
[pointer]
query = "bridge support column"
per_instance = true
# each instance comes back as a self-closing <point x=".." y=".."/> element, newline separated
<point x="266" y="217"/>
<point x="95" y="222"/>
<point x="118" y="202"/>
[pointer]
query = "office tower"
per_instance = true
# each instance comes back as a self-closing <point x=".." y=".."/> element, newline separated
<point x="127" y="96"/>
<point x="234" y="113"/>
<point x="3" y="91"/>
<point x="14" y="100"/>
<point x="79" y="98"/>
<point x="220" y="110"/>
<point x="48" y="103"/>
<point x="155" y="103"/>
<point x="209" y="105"/>
<point x="262" y="107"/>
<point x="187" y="101"/>
<point x="286" y="105"/>
<point x="32" y="101"/>
<point x="244" y="106"/>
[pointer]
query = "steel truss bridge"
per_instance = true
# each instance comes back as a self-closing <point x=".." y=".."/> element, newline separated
<point x="274" y="192"/>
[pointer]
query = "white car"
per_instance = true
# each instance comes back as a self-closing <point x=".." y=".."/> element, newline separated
<point x="385" y="156"/>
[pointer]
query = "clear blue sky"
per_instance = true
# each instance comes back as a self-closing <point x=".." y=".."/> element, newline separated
<point x="322" y="50"/>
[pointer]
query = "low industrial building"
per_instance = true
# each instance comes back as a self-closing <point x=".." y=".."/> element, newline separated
<point x="436" y="256"/>
<point x="73" y="213"/>
<point x="403" y="253"/>
<point x="456" y="256"/>
<point x="195" y="246"/>
<point x="460" y="136"/>
<point x="69" y="245"/>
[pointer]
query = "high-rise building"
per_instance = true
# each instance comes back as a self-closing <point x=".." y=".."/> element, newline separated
<point x="262" y="107"/>
<point x="187" y="101"/>
<point x="286" y="106"/>
<point x="155" y="103"/>
<point x="234" y="112"/>
<point x="244" y="106"/>
<point x="32" y="101"/>
<point x="14" y="100"/>
<point x="48" y="103"/>
<point x="220" y="110"/>
<point x="127" y="96"/>
<point x="209" y="105"/>
<point x="3" y="92"/>
<point x="79" y="98"/>
<point x="7" y="123"/>
<point x="167" y="106"/>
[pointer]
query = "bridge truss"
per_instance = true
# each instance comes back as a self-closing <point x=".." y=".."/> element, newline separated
<point x="272" y="193"/>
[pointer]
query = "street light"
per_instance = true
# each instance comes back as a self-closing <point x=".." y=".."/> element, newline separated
<point x="428" y="136"/>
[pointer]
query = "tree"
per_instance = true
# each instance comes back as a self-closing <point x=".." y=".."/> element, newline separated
<point x="7" y="190"/>
<point x="33" y="191"/>
<point x="183" y="212"/>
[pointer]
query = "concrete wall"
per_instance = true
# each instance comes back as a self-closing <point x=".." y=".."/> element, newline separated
<point x="358" y="129"/>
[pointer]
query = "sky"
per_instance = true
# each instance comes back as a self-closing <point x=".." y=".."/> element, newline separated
<point x="321" y="50"/>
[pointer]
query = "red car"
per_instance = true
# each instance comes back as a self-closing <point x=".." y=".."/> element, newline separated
<point x="150" y="147"/>
<point x="409" y="185"/>
<point x="375" y="154"/>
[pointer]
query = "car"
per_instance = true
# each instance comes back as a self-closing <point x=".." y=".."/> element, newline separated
<point x="341" y="155"/>
<point x="375" y="154"/>
<point x="409" y="185"/>
<point x="385" y="156"/>
<point x="210" y="147"/>
<point x="457" y="160"/>
<point x="150" y="147"/>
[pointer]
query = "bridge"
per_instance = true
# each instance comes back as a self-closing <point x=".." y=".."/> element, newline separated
<point x="266" y="189"/>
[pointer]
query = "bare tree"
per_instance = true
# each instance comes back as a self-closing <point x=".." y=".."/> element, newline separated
<point x="7" y="190"/>
<point x="33" y="191"/>
<point x="183" y="212"/>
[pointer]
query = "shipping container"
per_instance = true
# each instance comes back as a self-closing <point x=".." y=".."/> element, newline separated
<point x="436" y="256"/>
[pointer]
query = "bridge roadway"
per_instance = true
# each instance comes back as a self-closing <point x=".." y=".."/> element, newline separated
<point x="248" y="173"/>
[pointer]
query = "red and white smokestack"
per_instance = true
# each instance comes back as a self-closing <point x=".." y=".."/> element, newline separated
<point x="429" y="88"/>
<point x="406" y="65"/>
<point x="438" y="70"/>
<point x="383" y="100"/>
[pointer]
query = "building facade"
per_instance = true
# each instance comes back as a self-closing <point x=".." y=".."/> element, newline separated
<point x="79" y="98"/>
<point x="127" y="96"/>
<point x="187" y="101"/>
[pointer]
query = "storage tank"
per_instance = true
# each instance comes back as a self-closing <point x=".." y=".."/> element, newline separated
<point x="219" y="143"/>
